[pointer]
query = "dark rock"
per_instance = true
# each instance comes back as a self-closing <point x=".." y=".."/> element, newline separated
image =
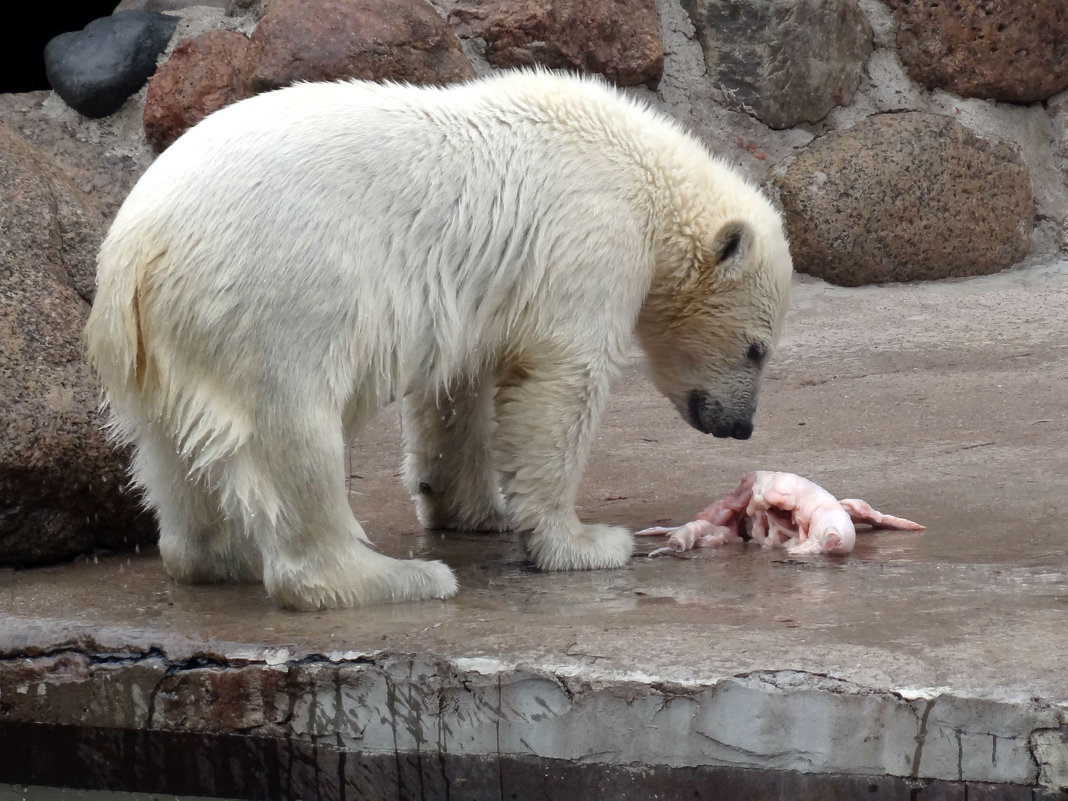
<point x="96" y="69"/>
<point x="162" y="6"/>
<point x="783" y="61"/>
<point x="1011" y="50"/>
<point x="60" y="483"/>
<point x="616" y="38"/>
<point x="317" y="40"/>
<point x="894" y="197"/>
<point x="202" y="75"/>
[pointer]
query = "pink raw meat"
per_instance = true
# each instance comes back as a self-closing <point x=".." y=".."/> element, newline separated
<point x="779" y="509"/>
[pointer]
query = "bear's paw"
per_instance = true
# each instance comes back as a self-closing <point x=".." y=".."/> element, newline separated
<point x="580" y="547"/>
<point x="371" y="579"/>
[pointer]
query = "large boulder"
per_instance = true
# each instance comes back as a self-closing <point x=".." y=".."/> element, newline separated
<point x="1012" y="50"/>
<point x="785" y="62"/>
<point x="96" y="69"/>
<point x="318" y="40"/>
<point x="103" y="159"/>
<point x="202" y="75"/>
<point x="61" y="484"/>
<point x="904" y="197"/>
<point x="616" y="38"/>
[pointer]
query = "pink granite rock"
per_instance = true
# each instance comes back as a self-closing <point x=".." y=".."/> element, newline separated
<point x="316" y="40"/>
<point x="202" y="75"/>
<point x="1012" y="50"/>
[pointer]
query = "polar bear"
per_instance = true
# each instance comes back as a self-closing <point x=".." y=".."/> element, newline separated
<point x="485" y="253"/>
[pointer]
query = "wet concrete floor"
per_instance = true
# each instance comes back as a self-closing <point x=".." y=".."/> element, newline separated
<point x="946" y="403"/>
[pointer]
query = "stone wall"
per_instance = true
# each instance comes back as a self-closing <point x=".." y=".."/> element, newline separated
<point x="903" y="140"/>
<point x="766" y="84"/>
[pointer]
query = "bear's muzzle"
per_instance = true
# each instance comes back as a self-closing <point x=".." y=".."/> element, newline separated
<point x="709" y="417"/>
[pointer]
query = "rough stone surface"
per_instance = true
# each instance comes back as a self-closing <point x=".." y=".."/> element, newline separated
<point x="616" y="38"/>
<point x="312" y="40"/>
<point x="104" y="170"/>
<point x="202" y="75"/>
<point x="786" y="61"/>
<point x="60" y="483"/>
<point x="1051" y="753"/>
<point x="96" y="69"/>
<point x="46" y="219"/>
<point x="1012" y="50"/>
<point x="897" y="196"/>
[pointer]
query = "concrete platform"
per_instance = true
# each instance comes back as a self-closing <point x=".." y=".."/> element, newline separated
<point x="923" y="666"/>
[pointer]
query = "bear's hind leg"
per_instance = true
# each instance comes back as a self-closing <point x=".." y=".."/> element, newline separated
<point x="288" y="484"/>
<point x="448" y="462"/>
<point x="546" y="417"/>
<point x="198" y="543"/>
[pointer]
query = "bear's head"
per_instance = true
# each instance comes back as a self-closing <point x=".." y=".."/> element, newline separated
<point x="713" y="315"/>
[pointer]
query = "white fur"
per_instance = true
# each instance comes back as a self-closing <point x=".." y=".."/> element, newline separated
<point x="484" y="252"/>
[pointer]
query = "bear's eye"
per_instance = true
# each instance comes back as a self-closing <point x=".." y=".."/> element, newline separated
<point x="757" y="353"/>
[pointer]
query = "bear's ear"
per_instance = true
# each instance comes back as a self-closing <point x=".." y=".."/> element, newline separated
<point x="729" y="251"/>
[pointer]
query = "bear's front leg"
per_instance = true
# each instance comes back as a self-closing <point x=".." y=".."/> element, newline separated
<point x="448" y="462"/>
<point x="546" y="416"/>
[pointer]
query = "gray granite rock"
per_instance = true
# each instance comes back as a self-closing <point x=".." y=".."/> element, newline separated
<point x="96" y="69"/>
<point x="905" y="197"/>
<point x="616" y="38"/>
<point x="785" y="62"/>
<point x="61" y="484"/>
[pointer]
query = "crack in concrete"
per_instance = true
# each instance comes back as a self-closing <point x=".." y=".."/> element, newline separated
<point x="755" y="756"/>
<point x="499" y="716"/>
<point x="150" y="717"/>
<point x="198" y="661"/>
<point x="960" y="757"/>
<point x="921" y="737"/>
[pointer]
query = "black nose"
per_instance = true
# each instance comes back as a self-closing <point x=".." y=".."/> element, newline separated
<point x="742" y="429"/>
<point x="709" y="417"/>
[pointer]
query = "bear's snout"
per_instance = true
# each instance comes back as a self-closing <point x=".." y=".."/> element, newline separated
<point x="709" y="417"/>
